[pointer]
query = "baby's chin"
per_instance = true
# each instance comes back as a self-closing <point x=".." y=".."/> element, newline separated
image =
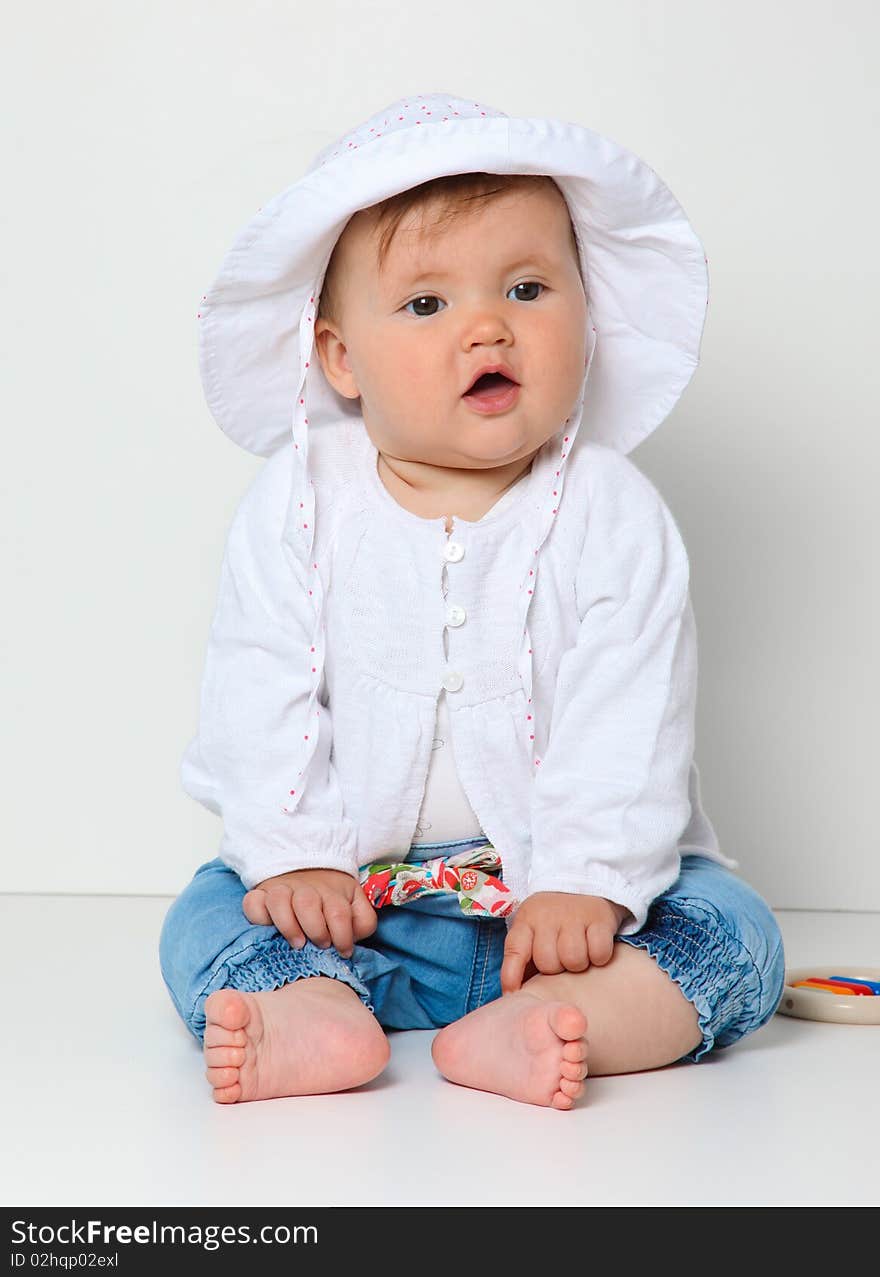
<point x="494" y="436"/>
<point x="467" y="441"/>
<point x="497" y="441"/>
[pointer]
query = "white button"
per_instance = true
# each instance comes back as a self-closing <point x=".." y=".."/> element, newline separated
<point x="456" y="615"/>
<point x="453" y="681"/>
<point x="453" y="551"/>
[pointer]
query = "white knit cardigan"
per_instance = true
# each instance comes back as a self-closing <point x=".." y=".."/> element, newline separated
<point x="588" y="784"/>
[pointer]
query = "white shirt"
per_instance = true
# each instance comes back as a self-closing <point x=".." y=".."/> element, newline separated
<point x="570" y="692"/>
<point x="445" y="814"/>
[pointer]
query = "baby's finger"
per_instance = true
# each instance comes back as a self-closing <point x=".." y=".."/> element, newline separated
<point x="309" y="909"/>
<point x="254" y="908"/>
<point x="573" y="950"/>
<point x="545" y="949"/>
<point x="517" y="951"/>
<point x="364" y="916"/>
<point x="600" y="937"/>
<point x="278" y="902"/>
<point x="337" y="912"/>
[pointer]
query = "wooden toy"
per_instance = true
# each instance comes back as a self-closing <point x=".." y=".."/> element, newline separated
<point x="810" y="994"/>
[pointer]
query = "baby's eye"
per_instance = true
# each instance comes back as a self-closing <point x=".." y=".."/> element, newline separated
<point x="528" y="283"/>
<point x="426" y="297"/>
<point x="430" y="297"/>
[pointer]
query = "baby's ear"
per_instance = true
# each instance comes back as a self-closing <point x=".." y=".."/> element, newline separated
<point x="333" y="354"/>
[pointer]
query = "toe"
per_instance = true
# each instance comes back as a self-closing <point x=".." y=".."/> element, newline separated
<point x="227" y="1094"/>
<point x="574" y="1071"/>
<point x="222" y="1077"/>
<point x="574" y="1089"/>
<point x="216" y="1035"/>
<point x="227" y="1008"/>
<point x="220" y="1056"/>
<point x="567" y="1021"/>
<point x="574" y="1051"/>
<point x="561" y="1101"/>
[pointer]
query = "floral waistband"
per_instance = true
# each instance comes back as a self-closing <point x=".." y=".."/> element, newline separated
<point x="471" y="875"/>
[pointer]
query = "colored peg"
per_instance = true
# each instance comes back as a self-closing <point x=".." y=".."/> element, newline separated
<point x="824" y="986"/>
<point x="873" y="985"/>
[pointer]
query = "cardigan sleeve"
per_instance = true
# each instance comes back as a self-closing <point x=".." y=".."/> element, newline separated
<point x="610" y="797"/>
<point x="244" y="759"/>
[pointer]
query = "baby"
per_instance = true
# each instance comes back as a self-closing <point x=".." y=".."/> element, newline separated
<point x="445" y="338"/>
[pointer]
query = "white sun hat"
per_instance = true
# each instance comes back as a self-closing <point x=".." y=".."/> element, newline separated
<point x="644" y="270"/>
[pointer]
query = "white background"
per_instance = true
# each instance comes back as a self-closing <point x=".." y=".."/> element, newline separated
<point x="139" y="138"/>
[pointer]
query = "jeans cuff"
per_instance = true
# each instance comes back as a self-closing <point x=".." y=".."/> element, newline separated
<point x="268" y="965"/>
<point x="712" y="967"/>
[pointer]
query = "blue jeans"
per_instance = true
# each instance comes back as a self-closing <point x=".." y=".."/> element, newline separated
<point x="427" y="963"/>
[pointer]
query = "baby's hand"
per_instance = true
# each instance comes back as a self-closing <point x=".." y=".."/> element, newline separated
<point x="328" y="905"/>
<point x="559" y="931"/>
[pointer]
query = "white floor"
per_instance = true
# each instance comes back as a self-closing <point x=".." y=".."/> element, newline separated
<point x="105" y="1102"/>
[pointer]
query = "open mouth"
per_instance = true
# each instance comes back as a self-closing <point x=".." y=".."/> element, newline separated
<point x="493" y="392"/>
<point x="490" y="383"/>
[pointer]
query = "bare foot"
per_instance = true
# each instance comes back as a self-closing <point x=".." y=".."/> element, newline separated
<point x="310" y="1036"/>
<point x="521" y="1046"/>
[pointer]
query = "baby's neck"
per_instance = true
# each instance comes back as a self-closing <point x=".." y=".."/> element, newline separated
<point x="465" y="501"/>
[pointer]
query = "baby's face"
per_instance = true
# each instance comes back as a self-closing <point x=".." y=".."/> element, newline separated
<point x="501" y="285"/>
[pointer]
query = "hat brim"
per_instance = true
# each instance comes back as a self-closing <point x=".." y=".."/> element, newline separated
<point x="645" y="273"/>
